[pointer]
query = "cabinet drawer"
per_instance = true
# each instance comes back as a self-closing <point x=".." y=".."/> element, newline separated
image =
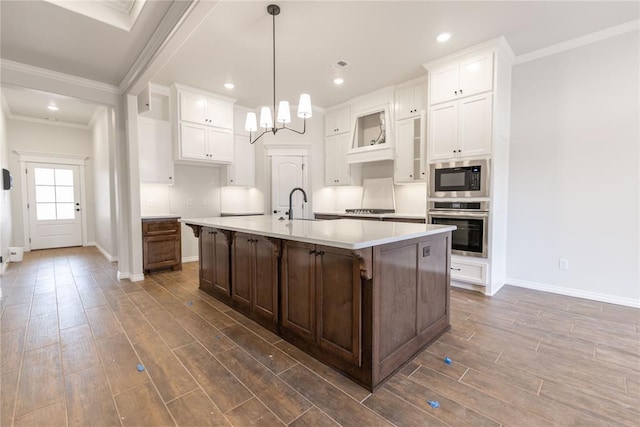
<point x="160" y="228"/>
<point x="469" y="271"/>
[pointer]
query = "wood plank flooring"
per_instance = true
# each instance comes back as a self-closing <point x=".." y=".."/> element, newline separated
<point x="72" y="337"/>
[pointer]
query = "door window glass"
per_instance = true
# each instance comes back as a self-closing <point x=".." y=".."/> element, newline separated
<point x="54" y="194"/>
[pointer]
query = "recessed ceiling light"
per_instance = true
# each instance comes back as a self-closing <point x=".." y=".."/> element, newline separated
<point x="443" y="37"/>
<point x="53" y="108"/>
<point x="338" y="81"/>
<point x="229" y="85"/>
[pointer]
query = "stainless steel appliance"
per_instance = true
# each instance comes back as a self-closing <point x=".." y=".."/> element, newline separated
<point x="377" y="197"/>
<point x="471" y="218"/>
<point x="467" y="178"/>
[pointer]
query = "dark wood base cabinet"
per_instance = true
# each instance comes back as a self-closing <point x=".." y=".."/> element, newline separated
<point x="365" y="312"/>
<point x="161" y="244"/>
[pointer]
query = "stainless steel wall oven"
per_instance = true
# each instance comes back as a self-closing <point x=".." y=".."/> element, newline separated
<point x="472" y="220"/>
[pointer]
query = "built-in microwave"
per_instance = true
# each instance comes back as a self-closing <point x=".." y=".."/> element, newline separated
<point x="468" y="178"/>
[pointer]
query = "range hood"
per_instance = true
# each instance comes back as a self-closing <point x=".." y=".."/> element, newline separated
<point x="377" y="197"/>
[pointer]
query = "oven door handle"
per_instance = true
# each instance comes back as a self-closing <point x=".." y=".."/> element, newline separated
<point x="458" y="214"/>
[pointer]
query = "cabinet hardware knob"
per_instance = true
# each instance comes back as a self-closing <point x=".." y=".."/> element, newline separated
<point x="312" y="252"/>
<point x="455" y="92"/>
<point x="460" y="91"/>
<point x="410" y="176"/>
<point x="170" y="177"/>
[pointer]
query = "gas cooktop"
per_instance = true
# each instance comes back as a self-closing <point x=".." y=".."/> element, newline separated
<point x="365" y="211"/>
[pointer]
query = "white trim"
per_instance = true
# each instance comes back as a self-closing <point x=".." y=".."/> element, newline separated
<point x="106" y="254"/>
<point x="186" y="259"/>
<point x="498" y="43"/>
<point x="120" y="275"/>
<point x="37" y="157"/>
<point x="595" y="296"/>
<point x="5" y="264"/>
<point x="287" y="150"/>
<point x="48" y="122"/>
<point x="6" y="64"/>
<point x="579" y="41"/>
<point x="136" y="278"/>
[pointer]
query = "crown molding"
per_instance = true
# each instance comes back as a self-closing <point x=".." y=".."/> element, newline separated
<point x="8" y="65"/>
<point x="32" y="156"/>
<point x="47" y="122"/>
<point x="579" y="41"/>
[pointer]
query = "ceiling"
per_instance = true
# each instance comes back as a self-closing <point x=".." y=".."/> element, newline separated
<point x="384" y="42"/>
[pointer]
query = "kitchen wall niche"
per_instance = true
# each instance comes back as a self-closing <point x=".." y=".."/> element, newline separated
<point x="372" y="136"/>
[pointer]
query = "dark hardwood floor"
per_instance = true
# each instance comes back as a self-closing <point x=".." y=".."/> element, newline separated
<point x="73" y="337"/>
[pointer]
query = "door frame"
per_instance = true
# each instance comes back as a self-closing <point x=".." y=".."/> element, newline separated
<point x="25" y="157"/>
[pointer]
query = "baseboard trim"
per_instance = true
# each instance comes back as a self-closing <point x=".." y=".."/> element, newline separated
<point x="5" y="264"/>
<point x="595" y="296"/>
<point x="190" y="259"/>
<point x="469" y="286"/>
<point x="136" y="277"/>
<point x="106" y="254"/>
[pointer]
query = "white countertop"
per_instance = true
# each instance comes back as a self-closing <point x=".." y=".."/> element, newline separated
<point x="381" y="216"/>
<point x="339" y="233"/>
<point x="160" y="216"/>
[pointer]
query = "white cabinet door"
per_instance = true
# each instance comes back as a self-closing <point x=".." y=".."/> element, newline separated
<point x="443" y="131"/>
<point x="475" y="118"/>
<point x="410" y="101"/>
<point x="443" y="83"/>
<point x="193" y="144"/>
<point x="242" y="172"/>
<point x="337" y="170"/>
<point x="220" y="145"/>
<point x="476" y="74"/>
<point x="193" y="108"/>
<point x="337" y="121"/>
<point x="220" y="115"/>
<point x="404" y="164"/>
<point x="156" y="152"/>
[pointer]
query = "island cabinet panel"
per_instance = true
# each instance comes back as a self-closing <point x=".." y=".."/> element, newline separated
<point x="161" y="244"/>
<point x="321" y="292"/>
<point x="255" y="274"/>
<point x="214" y="260"/>
<point x="410" y="300"/>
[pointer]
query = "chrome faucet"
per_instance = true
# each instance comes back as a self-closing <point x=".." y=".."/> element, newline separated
<point x="304" y="196"/>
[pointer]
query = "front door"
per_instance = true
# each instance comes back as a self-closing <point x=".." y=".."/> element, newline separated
<point x="54" y="205"/>
<point x="287" y="174"/>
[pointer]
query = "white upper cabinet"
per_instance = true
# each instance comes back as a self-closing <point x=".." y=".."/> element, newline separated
<point x="337" y="121"/>
<point x="411" y="158"/>
<point x="468" y="76"/>
<point x="337" y="169"/>
<point x="461" y="128"/>
<point x="208" y="111"/>
<point x="410" y="101"/>
<point x="156" y="156"/>
<point x="242" y="172"/>
<point x="204" y="127"/>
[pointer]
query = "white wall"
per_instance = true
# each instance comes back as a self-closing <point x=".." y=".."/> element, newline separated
<point x="574" y="172"/>
<point x="50" y="139"/>
<point x="104" y="185"/>
<point x="5" y="199"/>
<point x="195" y="194"/>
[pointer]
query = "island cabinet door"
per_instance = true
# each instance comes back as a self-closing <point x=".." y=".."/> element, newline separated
<point x="298" y="289"/>
<point x="338" y="297"/>
<point x="242" y="269"/>
<point x="433" y="284"/>
<point x="265" y="272"/>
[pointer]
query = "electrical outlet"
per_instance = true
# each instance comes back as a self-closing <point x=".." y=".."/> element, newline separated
<point x="563" y="264"/>
<point x="189" y="202"/>
<point x="151" y="202"/>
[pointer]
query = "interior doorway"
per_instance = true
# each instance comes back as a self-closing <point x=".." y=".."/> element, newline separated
<point x="287" y="173"/>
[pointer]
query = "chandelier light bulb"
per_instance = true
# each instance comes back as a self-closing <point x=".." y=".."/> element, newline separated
<point x="284" y="114"/>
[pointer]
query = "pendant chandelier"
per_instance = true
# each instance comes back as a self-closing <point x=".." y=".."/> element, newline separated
<point x="284" y="115"/>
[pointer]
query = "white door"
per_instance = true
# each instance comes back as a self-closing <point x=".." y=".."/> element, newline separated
<point x="286" y="174"/>
<point x="54" y="205"/>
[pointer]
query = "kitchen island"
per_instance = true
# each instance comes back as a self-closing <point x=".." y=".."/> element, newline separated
<point x="364" y="297"/>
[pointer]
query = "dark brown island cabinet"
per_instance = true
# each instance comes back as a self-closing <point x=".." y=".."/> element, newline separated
<point x="365" y="312"/>
<point x="161" y="244"/>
